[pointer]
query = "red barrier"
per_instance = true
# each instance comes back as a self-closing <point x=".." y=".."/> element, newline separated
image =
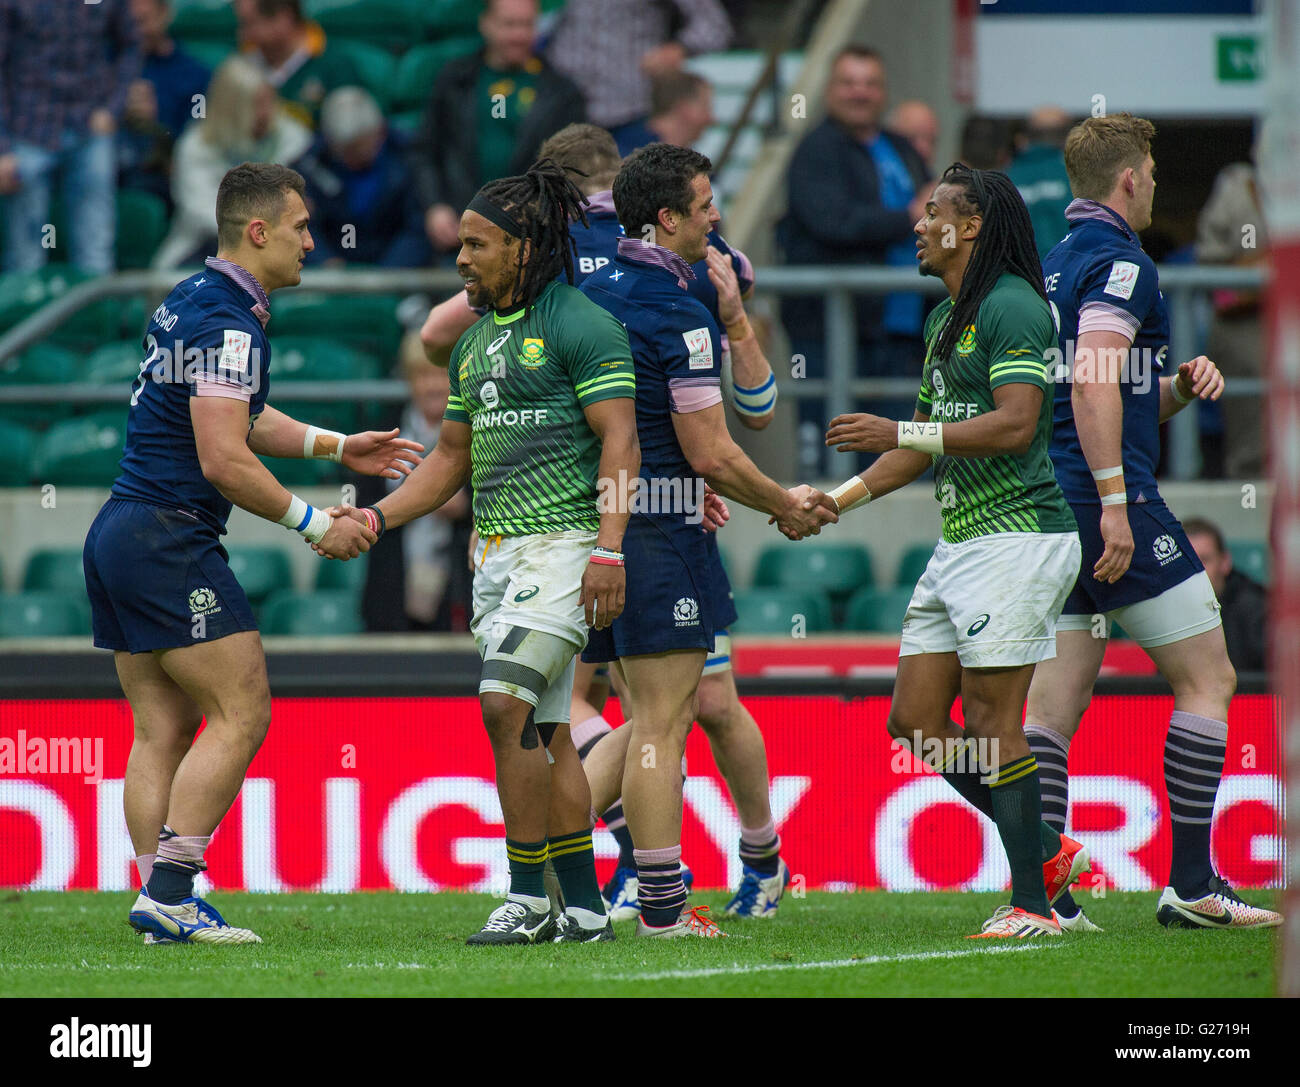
<point x="356" y="794"/>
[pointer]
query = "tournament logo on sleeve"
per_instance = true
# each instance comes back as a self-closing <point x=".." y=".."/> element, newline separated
<point x="699" y="343"/>
<point x="1123" y="278"/>
<point x="236" y="353"/>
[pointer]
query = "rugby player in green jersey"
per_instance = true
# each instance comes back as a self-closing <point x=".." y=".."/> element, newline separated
<point x="984" y="613"/>
<point x="542" y="404"/>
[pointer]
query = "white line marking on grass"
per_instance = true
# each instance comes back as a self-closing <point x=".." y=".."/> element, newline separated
<point x="830" y="964"/>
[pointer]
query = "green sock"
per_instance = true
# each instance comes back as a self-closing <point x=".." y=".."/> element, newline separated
<point x="1017" y="810"/>
<point x="958" y="771"/>
<point x="575" y="867"/>
<point x="527" y="861"/>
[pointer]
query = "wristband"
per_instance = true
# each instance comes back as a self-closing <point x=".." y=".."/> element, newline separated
<point x="923" y="437"/>
<point x="374" y="520"/>
<point x="307" y="520"/>
<point x="334" y="453"/>
<point x="850" y="494"/>
<point x="1173" y="389"/>
<point x="604" y="556"/>
<point x="756" y="401"/>
<point x="1113" y="493"/>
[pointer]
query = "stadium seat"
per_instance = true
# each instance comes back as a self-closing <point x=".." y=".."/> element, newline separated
<point x="44" y="363"/>
<point x="115" y="363"/>
<point x="347" y="576"/>
<point x="141" y="227"/>
<point x="374" y="63"/>
<point x="23" y="293"/>
<point x="213" y="20"/>
<point x="319" y="614"/>
<point x="419" y="67"/>
<point x="388" y="23"/>
<point x="443" y="18"/>
<point x="837" y="569"/>
<point x="82" y="452"/>
<point x="774" y="611"/>
<point x="43" y="615"/>
<point x="17" y="444"/>
<point x="366" y="321"/>
<point x="209" y="53"/>
<point x="912" y="565"/>
<point x="55" y="570"/>
<point x="340" y="415"/>
<point x="319" y="358"/>
<point x="260" y="571"/>
<point x="877" y="610"/>
<point x="1251" y="557"/>
<point x="296" y="472"/>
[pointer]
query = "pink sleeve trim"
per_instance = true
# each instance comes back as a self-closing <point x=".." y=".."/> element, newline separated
<point x="228" y="389"/>
<point x="689" y="394"/>
<point x="1102" y="317"/>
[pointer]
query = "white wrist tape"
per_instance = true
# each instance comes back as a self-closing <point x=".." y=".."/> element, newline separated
<point x="1108" y="473"/>
<point x="311" y="522"/>
<point x="309" y="444"/>
<point x="850" y="494"/>
<point x="1119" y="498"/>
<point x="1113" y="498"/>
<point x="923" y="437"/>
<point x="1173" y="388"/>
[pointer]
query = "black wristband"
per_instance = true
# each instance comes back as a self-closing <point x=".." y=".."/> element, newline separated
<point x="383" y="523"/>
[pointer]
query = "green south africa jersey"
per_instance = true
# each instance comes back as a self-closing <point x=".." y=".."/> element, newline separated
<point x="522" y="382"/>
<point x="1010" y="341"/>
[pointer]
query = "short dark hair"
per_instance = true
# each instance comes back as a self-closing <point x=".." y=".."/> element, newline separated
<point x="1199" y="526"/>
<point x="253" y="190"/>
<point x="269" y="8"/>
<point x="858" y="52"/>
<point x="656" y="176"/>
<point x="669" y="88"/>
<point x="587" y="153"/>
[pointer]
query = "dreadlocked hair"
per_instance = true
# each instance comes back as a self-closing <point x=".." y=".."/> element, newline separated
<point x="543" y="200"/>
<point x="1005" y="243"/>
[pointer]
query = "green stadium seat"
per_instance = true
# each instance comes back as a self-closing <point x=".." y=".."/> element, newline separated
<point x="419" y="67"/>
<point x="210" y="19"/>
<point x="56" y="570"/>
<point x="17" y="444"/>
<point x="44" y="363"/>
<point x="23" y="293"/>
<point x="877" y="610"/>
<point x="319" y="358"/>
<point x="42" y="615"/>
<point x="347" y="576"/>
<point x="912" y="565"/>
<point x="773" y="611"/>
<point x="296" y="472"/>
<point x="341" y="415"/>
<point x="261" y="571"/>
<point x="82" y="452"/>
<point x="390" y="23"/>
<point x="115" y="363"/>
<point x="141" y="227"/>
<point x="319" y="614"/>
<point x="444" y="18"/>
<point x="366" y="321"/>
<point x="373" y="63"/>
<point x="837" y="569"/>
<point x="1252" y="558"/>
<point x="209" y="52"/>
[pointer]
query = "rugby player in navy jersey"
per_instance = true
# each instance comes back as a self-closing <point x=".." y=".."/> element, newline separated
<point x="1138" y="567"/>
<point x="591" y="156"/>
<point x="665" y="204"/>
<point x="162" y="596"/>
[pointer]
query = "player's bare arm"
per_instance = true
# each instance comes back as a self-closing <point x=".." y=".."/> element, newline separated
<point x="604" y="586"/>
<point x="229" y="464"/>
<point x="749" y="366"/>
<point x="713" y="453"/>
<point x="437" y="479"/>
<point x="446" y="322"/>
<point x="368" y="453"/>
<point x="1096" y="371"/>
<point x="893" y="469"/>
<point x="1199" y="379"/>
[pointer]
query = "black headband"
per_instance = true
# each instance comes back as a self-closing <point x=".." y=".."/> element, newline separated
<point x="494" y="214"/>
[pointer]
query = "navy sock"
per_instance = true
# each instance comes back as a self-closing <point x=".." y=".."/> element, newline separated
<point x="171" y="882"/>
<point x="1194" y="751"/>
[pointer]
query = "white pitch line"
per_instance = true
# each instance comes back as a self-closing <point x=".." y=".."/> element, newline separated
<point x="830" y="964"/>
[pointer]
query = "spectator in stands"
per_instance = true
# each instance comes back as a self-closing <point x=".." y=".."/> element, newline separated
<point x="62" y="95"/>
<point x="916" y="122"/>
<point x="168" y="94"/>
<point x="1231" y="230"/>
<point x="244" y="124"/>
<point x="855" y="192"/>
<point x="291" y="52"/>
<point x="1244" y="602"/>
<point x="612" y="49"/>
<point x="1038" y="171"/>
<point x="420" y="580"/>
<point x="986" y="142"/>
<point x="487" y="116"/>
<point x="363" y="205"/>
<point x="681" y="108"/>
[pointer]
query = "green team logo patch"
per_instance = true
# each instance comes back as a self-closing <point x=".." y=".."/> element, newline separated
<point x="967" y="342"/>
<point x="527" y="594"/>
<point x="534" y="354"/>
<point x="977" y="626"/>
